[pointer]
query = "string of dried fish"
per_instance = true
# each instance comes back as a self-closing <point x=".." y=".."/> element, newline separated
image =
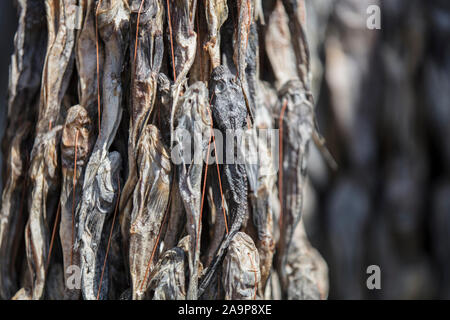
<point x="102" y="168"/>
<point x="193" y="124"/>
<point x="298" y="127"/>
<point x="146" y="54"/>
<point x="44" y="176"/>
<point x="76" y="144"/>
<point x="229" y="113"/>
<point x="150" y="199"/>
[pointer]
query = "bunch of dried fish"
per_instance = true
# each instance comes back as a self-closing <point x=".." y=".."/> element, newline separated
<point x="162" y="98"/>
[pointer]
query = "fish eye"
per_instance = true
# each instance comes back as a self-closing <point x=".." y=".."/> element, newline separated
<point x="220" y="87"/>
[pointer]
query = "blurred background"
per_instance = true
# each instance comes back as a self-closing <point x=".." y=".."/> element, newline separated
<point x="383" y="105"/>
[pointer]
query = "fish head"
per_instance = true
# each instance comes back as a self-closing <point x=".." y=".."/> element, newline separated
<point x="227" y="100"/>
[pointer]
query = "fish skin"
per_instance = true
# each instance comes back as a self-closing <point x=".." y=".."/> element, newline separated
<point x="229" y="112"/>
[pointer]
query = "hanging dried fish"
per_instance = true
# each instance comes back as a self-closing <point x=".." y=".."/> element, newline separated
<point x="44" y="159"/>
<point x="307" y="272"/>
<point x="150" y="199"/>
<point x="26" y="66"/>
<point x="278" y="46"/>
<point x="229" y="113"/>
<point x="261" y="173"/>
<point x="171" y="219"/>
<point x="168" y="280"/>
<point x="252" y="70"/>
<point x="58" y="63"/>
<point x="13" y="212"/>
<point x="86" y="61"/>
<point x="102" y="169"/>
<point x="216" y="14"/>
<point x="294" y="10"/>
<point x="44" y="178"/>
<point x="183" y="47"/>
<point x="193" y="125"/>
<point x="146" y="54"/>
<point x="245" y="54"/>
<point x="185" y="39"/>
<point x="240" y="270"/>
<point x="24" y="84"/>
<point x="297" y="128"/>
<point x="99" y="201"/>
<point x="76" y="144"/>
<point x="245" y="11"/>
<point x="113" y="30"/>
<point x="176" y="214"/>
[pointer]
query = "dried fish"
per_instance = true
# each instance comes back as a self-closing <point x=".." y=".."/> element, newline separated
<point x="168" y="280"/>
<point x="76" y="144"/>
<point x="278" y="45"/>
<point x="58" y="63"/>
<point x="296" y="129"/>
<point x="44" y="178"/>
<point x="261" y="173"/>
<point x="176" y="214"/>
<point x="102" y="168"/>
<point x="113" y="28"/>
<point x="183" y="47"/>
<point x="240" y="271"/>
<point x="185" y="40"/>
<point x="99" y="200"/>
<point x="294" y="10"/>
<point x="86" y="61"/>
<point x="307" y="272"/>
<point x="26" y="66"/>
<point x="146" y="57"/>
<point x="150" y="200"/>
<point x="111" y="100"/>
<point x="229" y="113"/>
<point x="146" y="54"/>
<point x="13" y="212"/>
<point x="193" y="125"/>
<point x="245" y="11"/>
<point x="113" y="23"/>
<point x="23" y="93"/>
<point x="44" y="175"/>
<point x="251" y="84"/>
<point x="216" y="14"/>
